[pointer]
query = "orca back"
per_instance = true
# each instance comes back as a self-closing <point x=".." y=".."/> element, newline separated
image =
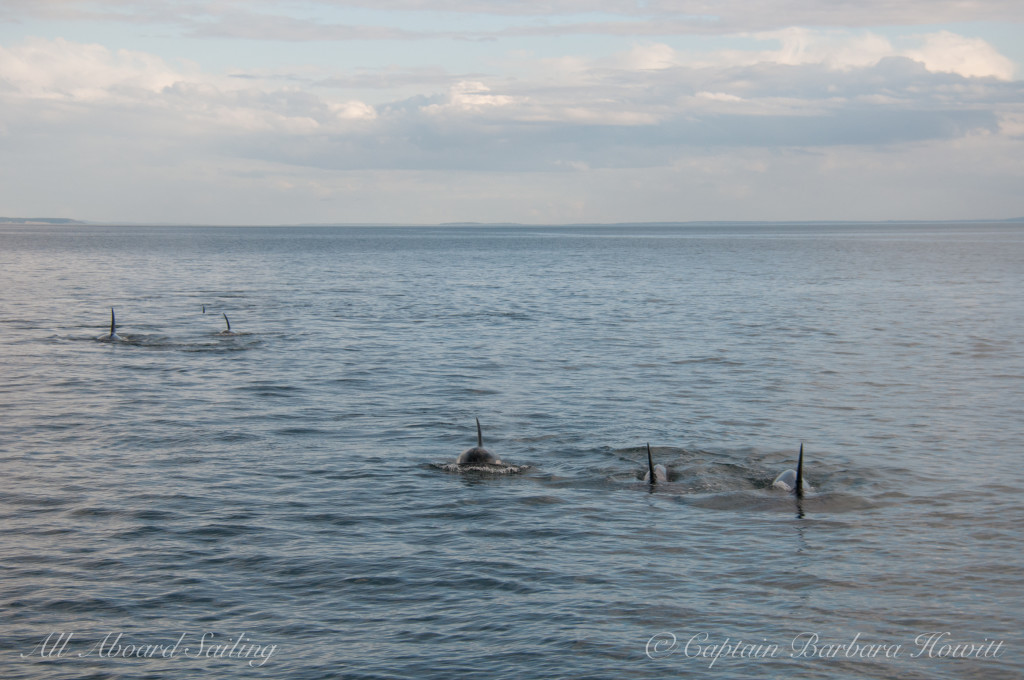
<point x="478" y="455"/>
<point x="655" y="473"/>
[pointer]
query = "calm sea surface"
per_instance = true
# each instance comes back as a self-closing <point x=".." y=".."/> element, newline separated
<point x="279" y="503"/>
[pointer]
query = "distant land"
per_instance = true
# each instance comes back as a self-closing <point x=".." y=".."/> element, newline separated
<point x="694" y="223"/>
<point x="38" y="220"/>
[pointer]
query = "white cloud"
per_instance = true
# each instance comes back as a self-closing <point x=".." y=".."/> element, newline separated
<point x="719" y="97"/>
<point x="783" y="121"/>
<point x="61" y="69"/>
<point x="125" y="82"/>
<point x="942" y="52"/>
<point x="469" y="97"/>
<point x="353" y="110"/>
<point x="650" y="58"/>
<point x="834" y="49"/>
<point x="637" y="108"/>
<point x="946" y="52"/>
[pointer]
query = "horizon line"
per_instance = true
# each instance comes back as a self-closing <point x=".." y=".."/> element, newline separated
<point x="60" y="221"/>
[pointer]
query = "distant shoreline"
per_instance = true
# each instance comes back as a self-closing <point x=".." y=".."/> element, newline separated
<point x="39" y="220"/>
<point x="62" y="221"/>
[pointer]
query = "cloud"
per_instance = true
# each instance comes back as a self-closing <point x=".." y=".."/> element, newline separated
<point x="469" y="97"/>
<point x="91" y="79"/>
<point x="837" y="50"/>
<point x="651" y="57"/>
<point x="573" y="131"/>
<point x="61" y="69"/>
<point x="946" y="52"/>
<point x="640" y="108"/>
<point x="942" y="52"/>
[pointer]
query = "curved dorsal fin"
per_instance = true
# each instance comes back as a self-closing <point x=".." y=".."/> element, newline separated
<point x="479" y="435"/>
<point x="799" y="488"/>
<point x="650" y="464"/>
<point x="226" y="320"/>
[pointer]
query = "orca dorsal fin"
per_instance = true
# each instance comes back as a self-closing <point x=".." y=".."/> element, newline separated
<point x="479" y="435"/>
<point x="204" y="309"/>
<point x="798" y="489"/>
<point x="650" y="465"/>
<point x="113" y="324"/>
<point x="226" y="321"/>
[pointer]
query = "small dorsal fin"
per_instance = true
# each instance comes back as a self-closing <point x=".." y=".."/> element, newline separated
<point x="226" y="320"/>
<point x="650" y="464"/>
<point x="798" y="489"/>
<point x="479" y="435"/>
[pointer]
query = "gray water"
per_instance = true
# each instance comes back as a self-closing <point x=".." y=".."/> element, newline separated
<point x="280" y="503"/>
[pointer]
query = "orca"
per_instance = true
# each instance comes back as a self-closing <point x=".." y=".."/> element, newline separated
<point x="227" y="331"/>
<point x="478" y="455"/>
<point x="655" y="473"/>
<point x="793" y="480"/>
<point x="112" y="336"/>
<point x="204" y="309"/>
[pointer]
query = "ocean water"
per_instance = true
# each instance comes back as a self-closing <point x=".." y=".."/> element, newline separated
<point x="280" y="503"/>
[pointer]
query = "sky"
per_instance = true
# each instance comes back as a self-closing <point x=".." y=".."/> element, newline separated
<point x="549" y="112"/>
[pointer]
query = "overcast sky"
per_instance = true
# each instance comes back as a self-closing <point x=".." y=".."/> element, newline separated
<point x="561" y="111"/>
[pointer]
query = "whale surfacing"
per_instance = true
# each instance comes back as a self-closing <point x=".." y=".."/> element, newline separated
<point x="112" y="336"/>
<point x="655" y="473"/>
<point x="793" y="480"/>
<point x="478" y="455"/>
<point x="227" y="331"/>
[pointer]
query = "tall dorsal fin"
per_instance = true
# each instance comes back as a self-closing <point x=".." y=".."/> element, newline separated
<point x="650" y="464"/>
<point x="113" y="324"/>
<point x="226" y="320"/>
<point x="204" y="309"/>
<point x="479" y="435"/>
<point x="799" y="488"/>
